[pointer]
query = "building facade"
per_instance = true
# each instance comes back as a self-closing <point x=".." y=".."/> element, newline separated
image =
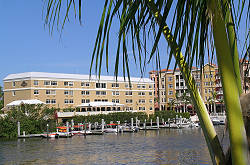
<point x="172" y="92"/>
<point x="71" y="90"/>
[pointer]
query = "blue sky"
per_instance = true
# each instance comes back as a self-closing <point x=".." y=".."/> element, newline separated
<point x="26" y="45"/>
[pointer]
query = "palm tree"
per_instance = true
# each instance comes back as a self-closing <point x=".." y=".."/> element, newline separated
<point x="171" y="104"/>
<point x="214" y="99"/>
<point x="192" y="22"/>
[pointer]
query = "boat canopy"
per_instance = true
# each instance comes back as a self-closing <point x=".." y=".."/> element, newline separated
<point x="100" y="104"/>
<point x="20" y="102"/>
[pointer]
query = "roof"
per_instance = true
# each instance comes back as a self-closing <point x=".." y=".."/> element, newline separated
<point x="19" y="102"/>
<point x="100" y="104"/>
<point x="45" y="75"/>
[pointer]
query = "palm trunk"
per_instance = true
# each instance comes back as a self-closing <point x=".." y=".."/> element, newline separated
<point x="211" y="138"/>
<point x="237" y="133"/>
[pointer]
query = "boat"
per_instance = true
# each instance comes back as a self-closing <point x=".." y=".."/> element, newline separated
<point x="49" y="135"/>
<point x="215" y="121"/>
<point x="62" y="132"/>
<point x="111" y="128"/>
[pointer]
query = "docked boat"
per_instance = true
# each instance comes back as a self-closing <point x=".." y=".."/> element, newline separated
<point x="49" y="135"/>
<point x="111" y="128"/>
<point x="63" y="133"/>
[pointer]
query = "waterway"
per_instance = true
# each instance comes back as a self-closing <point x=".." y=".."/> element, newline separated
<point x="165" y="146"/>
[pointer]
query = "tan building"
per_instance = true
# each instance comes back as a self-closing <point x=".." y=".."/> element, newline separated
<point x="171" y="88"/>
<point x="74" y="90"/>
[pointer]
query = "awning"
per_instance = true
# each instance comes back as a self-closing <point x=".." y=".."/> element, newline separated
<point x="100" y="104"/>
<point x="19" y="102"/>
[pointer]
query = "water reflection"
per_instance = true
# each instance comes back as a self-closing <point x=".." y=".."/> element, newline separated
<point x="185" y="146"/>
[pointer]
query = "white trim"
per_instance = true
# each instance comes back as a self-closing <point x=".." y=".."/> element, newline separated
<point x="72" y="77"/>
<point x="76" y="89"/>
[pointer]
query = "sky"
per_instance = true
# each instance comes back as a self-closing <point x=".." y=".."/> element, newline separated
<point x="27" y="46"/>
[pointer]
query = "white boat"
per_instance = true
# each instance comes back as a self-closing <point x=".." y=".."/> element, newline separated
<point x="49" y="135"/>
<point x="62" y="133"/>
<point x="215" y="121"/>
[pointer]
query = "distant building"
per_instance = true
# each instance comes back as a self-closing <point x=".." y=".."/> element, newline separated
<point x="171" y="90"/>
<point x="62" y="91"/>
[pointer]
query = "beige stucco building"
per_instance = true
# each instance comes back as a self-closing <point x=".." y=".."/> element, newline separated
<point x="170" y="87"/>
<point x="72" y="90"/>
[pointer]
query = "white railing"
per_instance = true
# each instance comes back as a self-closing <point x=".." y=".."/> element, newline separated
<point x="71" y="114"/>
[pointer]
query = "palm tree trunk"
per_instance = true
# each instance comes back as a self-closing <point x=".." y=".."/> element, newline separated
<point x="237" y="133"/>
<point x="211" y="138"/>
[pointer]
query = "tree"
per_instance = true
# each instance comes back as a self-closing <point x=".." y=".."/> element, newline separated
<point x="192" y="22"/>
<point x="212" y="100"/>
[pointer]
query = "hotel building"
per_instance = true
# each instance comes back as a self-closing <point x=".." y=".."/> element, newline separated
<point x="74" y="90"/>
<point x="170" y="87"/>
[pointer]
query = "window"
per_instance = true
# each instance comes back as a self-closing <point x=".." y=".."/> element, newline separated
<point x="163" y="93"/>
<point x="54" y="83"/>
<point x="151" y="108"/>
<point x="141" y="93"/>
<point x="162" y="79"/>
<point x="128" y="93"/>
<point x="36" y="92"/>
<point x="85" y="100"/>
<point x="115" y="93"/>
<point x="100" y="85"/>
<point x="68" y="92"/>
<point x="50" y="92"/>
<point x="170" y="86"/>
<point x="129" y="101"/>
<point x="47" y="101"/>
<point x="13" y="93"/>
<point x="115" y="85"/>
<point x="150" y="101"/>
<point x="102" y="100"/>
<point x="141" y="100"/>
<point x="149" y="86"/>
<point x="170" y="92"/>
<point x="85" y="92"/>
<point x="150" y="93"/>
<point x="115" y="100"/>
<point x="163" y="86"/>
<point x="68" y="83"/>
<point x="129" y="108"/>
<point x="206" y="83"/>
<point x="128" y="85"/>
<point x="69" y="101"/>
<point x="100" y="92"/>
<point x="143" y="86"/>
<point x="198" y="84"/>
<point x="170" y="79"/>
<point x="211" y="76"/>
<point x="36" y="82"/>
<point x="206" y="76"/>
<point x="53" y="101"/>
<point x="138" y="86"/>
<point x="46" y="82"/>
<point x="197" y="76"/>
<point x="13" y="83"/>
<point x="142" y="108"/>
<point x="85" y="84"/>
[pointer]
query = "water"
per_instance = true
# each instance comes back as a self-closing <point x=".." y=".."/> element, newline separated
<point x="184" y="146"/>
